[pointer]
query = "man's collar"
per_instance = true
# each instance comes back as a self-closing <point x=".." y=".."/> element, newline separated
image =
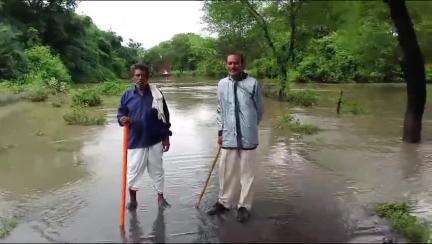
<point x="243" y="76"/>
<point x="146" y="89"/>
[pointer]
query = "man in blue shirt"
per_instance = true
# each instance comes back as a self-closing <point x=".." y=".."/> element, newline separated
<point x="144" y="109"/>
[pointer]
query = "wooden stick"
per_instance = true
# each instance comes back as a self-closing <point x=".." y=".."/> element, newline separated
<point x="208" y="177"/>
<point x="123" y="179"/>
<point x="339" y="102"/>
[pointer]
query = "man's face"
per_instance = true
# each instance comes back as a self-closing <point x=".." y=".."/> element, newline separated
<point x="234" y="65"/>
<point x="140" y="78"/>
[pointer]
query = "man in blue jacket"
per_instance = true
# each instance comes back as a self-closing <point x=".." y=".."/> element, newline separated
<point x="238" y="115"/>
<point x="144" y="110"/>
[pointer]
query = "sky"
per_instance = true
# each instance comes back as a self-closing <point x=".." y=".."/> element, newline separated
<point x="147" y="22"/>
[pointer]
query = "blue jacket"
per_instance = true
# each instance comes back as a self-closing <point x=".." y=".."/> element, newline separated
<point x="145" y="128"/>
<point x="239" y="112"/>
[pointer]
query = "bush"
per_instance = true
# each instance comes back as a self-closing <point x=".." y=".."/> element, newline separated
<point x="82" y="117"/>
<point x="176" y="73"/>
<point x="327" y="62"/>
<point x="112" y="88"/>
<point x="265" y="67"/>
<point x="404" y="222"/>
<point x="302" y="98"/>
<point x="13" y="61"/>
<point x="36" y="93"/>
<point x="58" y="100"/>
<point x="56" y="85"/>
<point x="86" y="98"/>
<point x="6" y="226"/>
<point x="429" y="74"/>
<point x="294" y="76"/>
<point x="355" y="108"/>
<point x="211" y="67"/>
<point x="352" y="107"/>
<point x="288" y="121"/>
<point x="48" y="66"/>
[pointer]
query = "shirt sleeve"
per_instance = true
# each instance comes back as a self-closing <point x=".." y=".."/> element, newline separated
<point x="123" y="109"/>
<point x="166" y="111"/>
<point x="167" y="116"/>
<point x="219" y="113"/>
<point x="258" y="102"/>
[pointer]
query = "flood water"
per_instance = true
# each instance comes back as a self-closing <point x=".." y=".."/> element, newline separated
<point x="62" y="183"/>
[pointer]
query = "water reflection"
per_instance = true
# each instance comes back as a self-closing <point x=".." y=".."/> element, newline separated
<point x="158" y="231"/>
<point x="136" y="231"/>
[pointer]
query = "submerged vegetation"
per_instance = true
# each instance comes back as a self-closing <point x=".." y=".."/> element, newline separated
<point x="288" y="121"/>
<point x="6" y="226"/>
<point x="302" y="98"/>
<point x="353" y="107"/>
<point x="86" y="98"/>
<point x="401" y="219"/>
<point x="305" y="97"/>
<point x="79" y="116"/>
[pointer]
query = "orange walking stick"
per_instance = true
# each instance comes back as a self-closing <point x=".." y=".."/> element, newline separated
<point x="208" y="177"/>
<point x="123" y="180"/>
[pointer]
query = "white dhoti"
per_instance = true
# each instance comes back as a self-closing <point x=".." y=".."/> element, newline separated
<point x="236" y="173"/>
<point x="141" y="158"/>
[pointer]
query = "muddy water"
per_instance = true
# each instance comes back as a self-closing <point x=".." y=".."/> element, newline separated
<point x="62" y="183"/>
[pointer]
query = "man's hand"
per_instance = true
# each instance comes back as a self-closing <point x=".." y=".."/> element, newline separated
<point x="165" y="144"/>
<point x="124" y="120"/>
<point x="219" y="141"/>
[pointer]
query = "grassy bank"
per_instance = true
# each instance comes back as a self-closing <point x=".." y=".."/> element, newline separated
<point x="405" y="223"/>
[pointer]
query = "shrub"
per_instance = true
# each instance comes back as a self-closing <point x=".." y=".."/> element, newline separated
<point x="82" y="117"/>
<point x="176" y="73"/>
<point x="13" y="61"/>
<point x="112" y="88"/>
<point x="58" y="100"/>
<point x="211" y="67"/>
<point x="294" y="125"/>
<point x="352" y="107"/>
<point x="294" y="76"/>
<point x="84" y="98"/>
<point x="36" y="93"/>
<point x="265" y="67"/>
<point x="302" y="98"/>
<point x="56" y="85"/>
<point x="404" y="222"/>
<point x="47" y="65"/>
<point x="355" y="108"/>
<point x="6" y="226"/>
<point x="327" y="62"/>
<point x="429" y="74"/>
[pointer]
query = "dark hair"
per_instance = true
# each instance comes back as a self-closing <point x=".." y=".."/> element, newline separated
<point x="240" y="55"/>
<point x="139" y="66"/>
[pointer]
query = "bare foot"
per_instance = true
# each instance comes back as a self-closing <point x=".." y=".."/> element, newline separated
<point x="162" y="202"/>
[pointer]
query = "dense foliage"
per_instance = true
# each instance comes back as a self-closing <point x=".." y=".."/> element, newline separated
<point x="293" y="41"/>
<point x="333" y="41"/>
<point x="29" y="28"/>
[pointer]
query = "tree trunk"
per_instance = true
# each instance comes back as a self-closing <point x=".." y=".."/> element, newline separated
<point x="282" y="76"/>
<point x="414" y="71"/>
<point x="279" y="55"/>
<point x="293" y="32"/>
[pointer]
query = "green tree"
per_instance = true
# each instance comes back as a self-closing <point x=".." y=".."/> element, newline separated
<point x="13" y="61"/>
